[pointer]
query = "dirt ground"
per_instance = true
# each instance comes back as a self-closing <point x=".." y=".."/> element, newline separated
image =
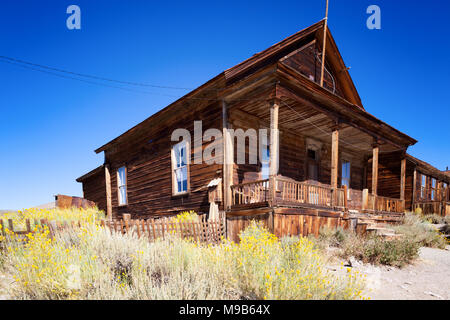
<point x="428" y="278"/>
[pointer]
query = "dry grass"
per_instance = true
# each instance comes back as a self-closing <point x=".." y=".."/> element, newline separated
<point x="416" y="232"/>
<point x="92" y="263"/>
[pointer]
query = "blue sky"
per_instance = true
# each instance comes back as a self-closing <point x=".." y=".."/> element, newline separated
<point x="50" y="126"/>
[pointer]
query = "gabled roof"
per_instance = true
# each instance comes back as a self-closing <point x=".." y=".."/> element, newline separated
<point x="276" y="51"/>
<point x="257" y="61"/>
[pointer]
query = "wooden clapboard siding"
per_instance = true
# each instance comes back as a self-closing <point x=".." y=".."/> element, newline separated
<point x="94" y="189"/>
<point x="306" y="60"/>
<point x="149" y="176"/>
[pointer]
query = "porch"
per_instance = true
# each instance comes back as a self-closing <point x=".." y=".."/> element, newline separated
<point x="282" y="191"/>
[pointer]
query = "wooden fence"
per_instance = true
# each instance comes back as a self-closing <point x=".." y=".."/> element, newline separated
<point x="152" y="229"/>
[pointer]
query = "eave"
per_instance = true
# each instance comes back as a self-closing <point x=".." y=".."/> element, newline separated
<point x="292" y="79"/>
<point x="90" y="174"/>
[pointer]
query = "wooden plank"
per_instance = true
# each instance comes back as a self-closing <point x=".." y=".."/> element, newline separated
<point x="402" y="179"/>
<point x="274" y="147"/>
<point x="108" y="192"/>
<point x="334" y="158"/>
<point x="375" y="169"/>
<point x="228" y="159"/>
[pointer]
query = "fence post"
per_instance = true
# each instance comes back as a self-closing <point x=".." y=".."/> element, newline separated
<point x="3" y="227"/>
<point x="11" y="225"/>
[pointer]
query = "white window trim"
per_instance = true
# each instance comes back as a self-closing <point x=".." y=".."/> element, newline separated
<point x="175" y="191"/>
<point x="122" y="186"/>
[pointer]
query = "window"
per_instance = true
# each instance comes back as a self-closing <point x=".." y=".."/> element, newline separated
<point x="313" y="166"/>
<point x="265" y="159"/>
<point x="180" y="168"/>
<point x="122" y="185"/>
<point x="345" y="176"/>
<point x="423" y="186"/>
<point x="433" y="189"/>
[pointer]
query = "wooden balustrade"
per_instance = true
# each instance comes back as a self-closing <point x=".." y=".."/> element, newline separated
<point x="433" y="207"/>
<point x="301" y="192"/>
<point x="291" y="192"/>
<point x="288" y="192"/>
<point x="379" y="203"/>
<point x="389" y="204"/>
<point x="251" y="192"/>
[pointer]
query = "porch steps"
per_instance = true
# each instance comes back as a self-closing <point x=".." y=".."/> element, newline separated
<point x="386" y="233"/>
<point x="379" y="224"/>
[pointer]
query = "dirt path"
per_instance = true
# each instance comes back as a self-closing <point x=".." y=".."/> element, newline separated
<point x="5" y="283"/>
<point x="428" y="278"/>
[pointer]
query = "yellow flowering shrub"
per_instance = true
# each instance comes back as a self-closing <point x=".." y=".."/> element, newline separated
<point x="92" y="262"/>
<point x="288" y="269"/>
<point x="84" y="216"/>
<point x="187" y="216"/>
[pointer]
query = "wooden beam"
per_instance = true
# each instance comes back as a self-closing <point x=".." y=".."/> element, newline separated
<point x="376" y="150"/>
<point x="402" y="179"/>
<point x="324" y="46"/>
<point x="334" y="157"/>
<point x="274" y="144"/>
<point x="414" y="189"/>
<point x="108" y="193"/>
<point x="227" y="171"/>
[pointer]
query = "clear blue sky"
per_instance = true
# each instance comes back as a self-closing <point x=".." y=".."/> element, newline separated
<point x="49" y="126"/>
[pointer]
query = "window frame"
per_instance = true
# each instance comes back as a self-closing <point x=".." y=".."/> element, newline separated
<point x="345" y="161"/>
<point x="174" y="167"/>
<point x="433" y="189"/>
<point x="121" y="186"/>
<point x="265" y="162"/>
<point x="423" y="186"/>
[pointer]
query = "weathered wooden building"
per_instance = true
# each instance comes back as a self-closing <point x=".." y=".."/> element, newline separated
<point x="327" y="144"/>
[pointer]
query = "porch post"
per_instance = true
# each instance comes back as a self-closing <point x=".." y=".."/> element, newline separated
<point x="334" y="157"/>
<point x="403" y="182"/>
<point x="403" y="179"/>
<point x="274" y="147"/>
<point x="375" y="169"/>
<point x="227" y="160"/>
<point x="108" y="193"/>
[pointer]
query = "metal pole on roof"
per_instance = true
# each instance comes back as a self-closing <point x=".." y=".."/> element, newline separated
<point x="324" y="45"/>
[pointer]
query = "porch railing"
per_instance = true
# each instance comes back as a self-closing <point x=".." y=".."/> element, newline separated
<point x="251" y="192"/>
<point x="291" y="192"/>
<point x="433" y="207"/>
<point x="287" y="191"/>
<point x="379" y="203"/>
<point x="305" y="193"/>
